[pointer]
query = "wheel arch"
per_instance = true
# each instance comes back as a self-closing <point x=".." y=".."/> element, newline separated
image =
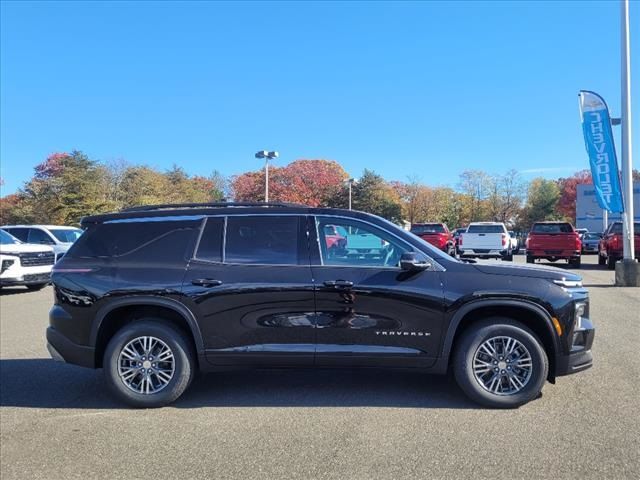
<point x="532" y="315"/>
<point x="123" y="311"/>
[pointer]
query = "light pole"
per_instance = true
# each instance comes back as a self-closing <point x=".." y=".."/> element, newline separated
<point x="350" y="182"/>
<point x="267" y="156"/>
<point x="628" y="271"/>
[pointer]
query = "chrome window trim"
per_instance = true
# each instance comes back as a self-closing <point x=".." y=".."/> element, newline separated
<point x="435" y="265"/>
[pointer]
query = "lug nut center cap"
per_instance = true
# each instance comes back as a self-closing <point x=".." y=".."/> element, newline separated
<point x="146" y="364"/>
<point x="501" y="365"/>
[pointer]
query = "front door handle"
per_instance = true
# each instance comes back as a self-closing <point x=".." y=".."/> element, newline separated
<point x="206" y="282"/>
<point x="338" y="284"/>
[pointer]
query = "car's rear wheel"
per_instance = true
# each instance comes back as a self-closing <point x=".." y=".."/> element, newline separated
<point x="530" y="259"/>
<point x="149" y="364"/>
<point x="611" y="263"/>
<point x="575" y="262"/>
<point x="601" y="259"/>
<point x="500" y="363"/>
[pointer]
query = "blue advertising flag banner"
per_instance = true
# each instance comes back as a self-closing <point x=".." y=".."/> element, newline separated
<point x="598" y="138"/>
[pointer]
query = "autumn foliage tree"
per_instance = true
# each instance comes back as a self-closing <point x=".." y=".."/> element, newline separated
<point x="310" y="182"/>
<point x="568" y="193"/>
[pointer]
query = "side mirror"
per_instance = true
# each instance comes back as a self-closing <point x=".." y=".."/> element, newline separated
<point x="410" y="263"/>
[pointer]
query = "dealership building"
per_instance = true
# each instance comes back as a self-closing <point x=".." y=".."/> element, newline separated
<point x="589" y="214"/>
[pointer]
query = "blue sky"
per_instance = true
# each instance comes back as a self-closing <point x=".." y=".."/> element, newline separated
<point x="427" y="89"/>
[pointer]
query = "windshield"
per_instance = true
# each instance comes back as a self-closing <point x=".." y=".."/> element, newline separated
<point x="66" y="235"/>
<point x="485" y="229"/>
<point x="591" y="236"/>
<point x="552" y="228"/>
<point x="428" y="228"/>
<point x="6" y="239"/>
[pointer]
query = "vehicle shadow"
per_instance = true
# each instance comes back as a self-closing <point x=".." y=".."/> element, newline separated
<point x="43" y="383"/>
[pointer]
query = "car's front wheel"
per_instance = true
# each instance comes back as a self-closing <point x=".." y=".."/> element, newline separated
<point x="148" y="363"/>
<point x="500" y="363"/>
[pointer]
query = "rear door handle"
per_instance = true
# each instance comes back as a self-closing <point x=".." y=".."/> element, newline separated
<point x="338" y="284"/>
<point x="206" y="282"/>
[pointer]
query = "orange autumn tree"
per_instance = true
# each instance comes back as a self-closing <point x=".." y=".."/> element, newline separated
<point x="310" y="182"/>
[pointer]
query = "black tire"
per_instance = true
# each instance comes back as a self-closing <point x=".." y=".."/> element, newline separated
<point x="471" y="340"/>
<point x="184" y="358"/>
<point x="601" y="260"/>
<point x="508" y="258"/>
<point x="611" y="263"/>
<point x="36" y="286"/>
<point x="575" y="262"/>
<point x="530" y="259"/>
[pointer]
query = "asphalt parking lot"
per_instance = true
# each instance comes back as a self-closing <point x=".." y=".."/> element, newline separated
<point x="57" y="421"/>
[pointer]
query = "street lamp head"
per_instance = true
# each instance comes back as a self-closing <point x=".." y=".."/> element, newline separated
<point x="262" y="154"/>
<point x="272" y="154"/>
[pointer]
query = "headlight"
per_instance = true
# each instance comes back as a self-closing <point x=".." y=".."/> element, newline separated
<point x="580" y="309"/>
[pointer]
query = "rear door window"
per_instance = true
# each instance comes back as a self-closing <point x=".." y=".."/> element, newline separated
<point x="264" y="240"/>
<point x="210" y="245"/>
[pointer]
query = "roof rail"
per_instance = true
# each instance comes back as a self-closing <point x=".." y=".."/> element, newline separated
<point x="167" y="206"/>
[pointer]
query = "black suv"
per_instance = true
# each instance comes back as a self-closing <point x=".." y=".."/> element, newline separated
<point x="153" y="294"/>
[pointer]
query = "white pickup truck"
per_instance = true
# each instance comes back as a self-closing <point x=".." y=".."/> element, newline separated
<point x="486" y="240"/>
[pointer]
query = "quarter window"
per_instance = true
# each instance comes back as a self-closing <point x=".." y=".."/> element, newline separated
<point x="352" y="243"/>
<point x="270" y="240"/>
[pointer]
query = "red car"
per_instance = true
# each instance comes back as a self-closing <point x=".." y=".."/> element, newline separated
<point x="553" y="241"/>
<point x="610" y="247"/>
<point x="335" y="237"/>
<point x="437" y="234"/>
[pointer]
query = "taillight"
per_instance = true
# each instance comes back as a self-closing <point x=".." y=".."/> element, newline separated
<point x="615" y="243"/>
<point x="526" y="242"/>
<point x="460" y="240"/>
<point x="578" y="242"/>
<point x="443" y="239"/>
<point x="504" y="239"/>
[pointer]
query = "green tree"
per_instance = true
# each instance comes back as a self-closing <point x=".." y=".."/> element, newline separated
<point x="542" y="202"/>
<point x="372" y="194"/>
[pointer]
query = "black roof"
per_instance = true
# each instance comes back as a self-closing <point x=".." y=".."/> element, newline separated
<point x="217" y="208"/>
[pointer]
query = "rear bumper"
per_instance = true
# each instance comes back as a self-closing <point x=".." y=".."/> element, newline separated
<point x="478" y="252"/>
<point x="540" y="253"/>
<point x="62" y="349"/>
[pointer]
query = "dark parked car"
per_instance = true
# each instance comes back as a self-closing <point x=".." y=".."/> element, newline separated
<point x="590" y="242"/>
<point x="154" y="294"/>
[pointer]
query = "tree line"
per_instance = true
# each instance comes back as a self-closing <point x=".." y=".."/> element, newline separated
<point x="67" y="186"/>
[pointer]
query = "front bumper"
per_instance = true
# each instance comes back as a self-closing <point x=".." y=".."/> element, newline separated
<point x="27" y="279"/>
<point x="62" y="349"/>
<point x="580" y="357"/>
